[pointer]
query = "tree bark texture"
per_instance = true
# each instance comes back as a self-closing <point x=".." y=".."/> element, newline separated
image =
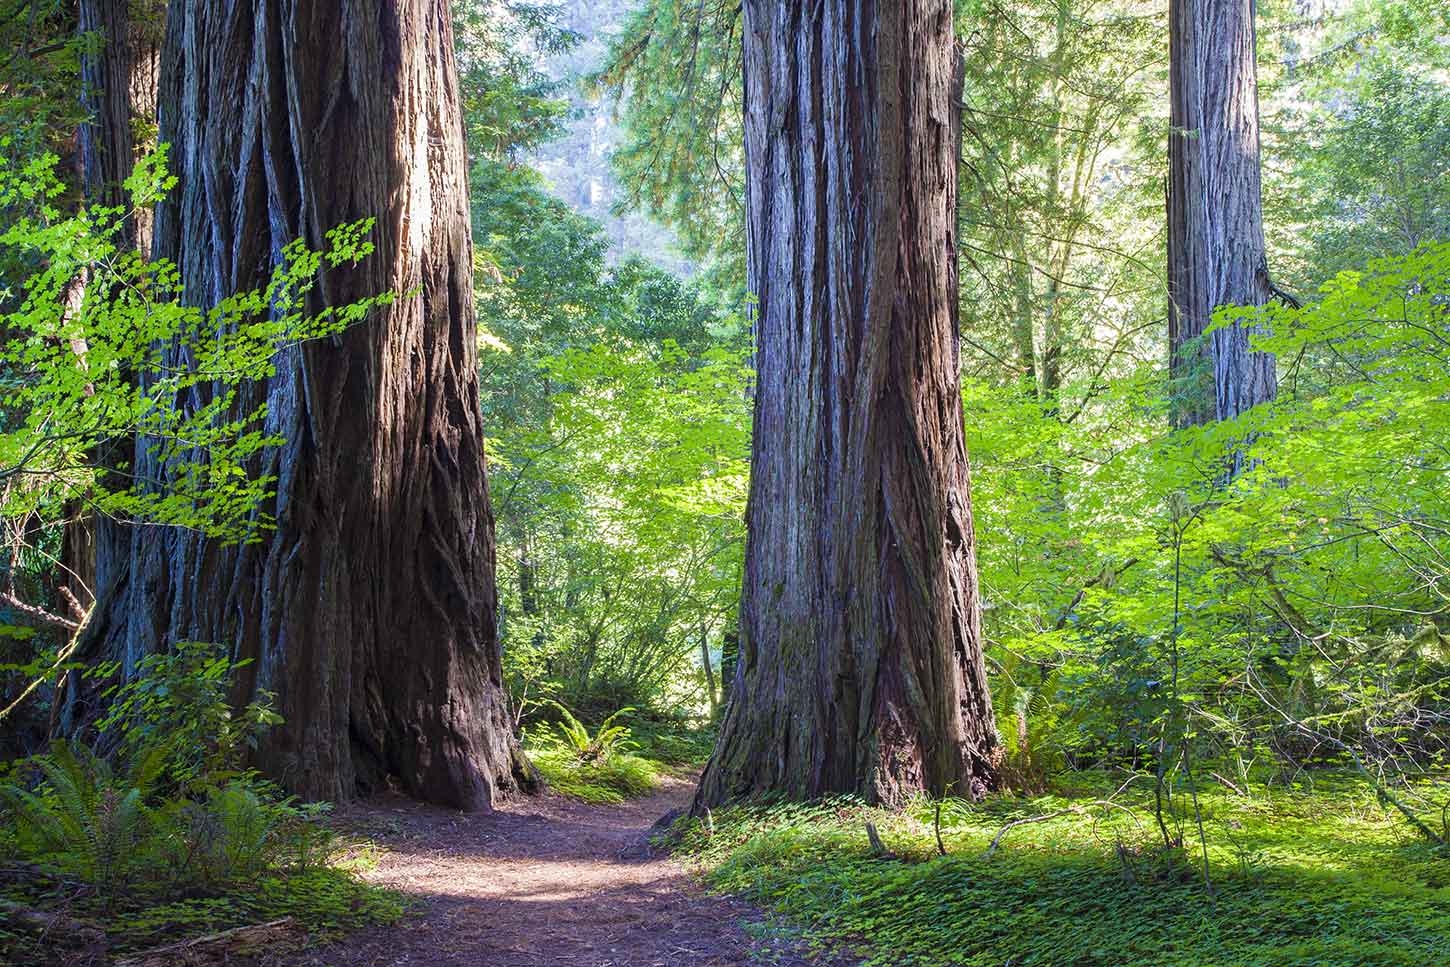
<point x="1216" y="252"/>
<point x="860" y="664"/>
<point x="119" y="81"/>
<point x="369" y="608"/>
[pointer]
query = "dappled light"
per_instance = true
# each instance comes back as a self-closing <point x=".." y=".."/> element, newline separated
<point x="724" y="483"/>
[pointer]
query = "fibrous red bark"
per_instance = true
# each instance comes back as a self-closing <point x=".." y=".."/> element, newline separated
<point x="369" y="608"/>
<point x="119" y="81"/>
<point x="1216" y="253"/>
<point x="860" y="662"/>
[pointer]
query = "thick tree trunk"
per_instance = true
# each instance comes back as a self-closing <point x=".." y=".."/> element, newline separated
<point x="860" y="666"/>
<point x="1215" y="217"/>
<point x="369" y="608"/>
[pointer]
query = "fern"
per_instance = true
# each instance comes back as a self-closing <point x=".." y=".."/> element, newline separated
<point x="1033" y="723"/>
<point x="603" y="744"/>
<point x="84" y="820"/>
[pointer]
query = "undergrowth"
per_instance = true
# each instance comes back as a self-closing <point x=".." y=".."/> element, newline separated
<point x="1322" y="877"/>
<point x="613" y="780"/>
<point x="328" y="901"/>
<point x="167" y="835"/>
<point x="676" y="741"/>
<point x="595" y="767"/>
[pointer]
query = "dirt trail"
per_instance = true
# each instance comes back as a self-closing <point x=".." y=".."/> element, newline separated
<point x="546" y="882"/>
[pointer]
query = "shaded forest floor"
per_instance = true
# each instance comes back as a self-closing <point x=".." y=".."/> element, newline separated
<point x="547" y="882"/>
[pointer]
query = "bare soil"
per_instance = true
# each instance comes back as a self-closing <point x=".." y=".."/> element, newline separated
<point x="547" y="882"/>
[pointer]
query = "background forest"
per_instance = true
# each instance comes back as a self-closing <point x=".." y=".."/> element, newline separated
<point x="1205" y="683"/>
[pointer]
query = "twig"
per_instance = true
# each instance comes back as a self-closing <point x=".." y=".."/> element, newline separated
<point x="60" y="659"/>
<point x="1229" y="784"/>
<point x="1069" y="811"/>
<point x="37" y="615"/>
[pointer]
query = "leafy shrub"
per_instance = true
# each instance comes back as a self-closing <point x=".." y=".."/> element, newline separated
<point x="177" y="708"/>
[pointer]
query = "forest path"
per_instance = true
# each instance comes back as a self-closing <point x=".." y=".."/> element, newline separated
<point x="547" y="882"/>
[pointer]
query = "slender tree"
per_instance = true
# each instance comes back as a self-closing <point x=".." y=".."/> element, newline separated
<point x="1216" y="250"/>
<point x="368" y="604"/>
<point x="860" y="665"/>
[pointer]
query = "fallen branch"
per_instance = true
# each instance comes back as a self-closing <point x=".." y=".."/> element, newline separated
<point x="1069" y="811"/>
<point x="1229" y="784"/>
<point x="236" y="942"/>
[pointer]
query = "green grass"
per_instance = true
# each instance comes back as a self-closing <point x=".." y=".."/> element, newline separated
<point x="1299" y="878"/>
<point x="612" y="779"/>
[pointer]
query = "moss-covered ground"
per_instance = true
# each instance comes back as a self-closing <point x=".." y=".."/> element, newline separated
<point x="1296" y="876"/>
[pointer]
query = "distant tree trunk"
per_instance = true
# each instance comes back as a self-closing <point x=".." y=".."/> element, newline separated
<point x="705" y="664"/>
<point x="1023" y="330"/>
<point x="729" y="659"/>
<point x="1216" y="250"/>
<point x="118" y="91"/>
<point x="369" y="608"/>
<point x="860" y="666"/>
<point x="528" y="603"/>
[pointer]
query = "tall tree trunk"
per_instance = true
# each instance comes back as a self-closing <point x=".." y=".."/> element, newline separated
<point x="1216" y="250"/>
<point x="860" y="666"/>
<point x="369" y="608"/>
<point x="119" y="91"/>
<point x="119" y="79"/>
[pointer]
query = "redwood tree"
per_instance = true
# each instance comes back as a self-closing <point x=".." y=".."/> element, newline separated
<point x="1216" y="250"/>
<point x="119" y="78"/>
<point x="368" y="607"/>
<point x="860" y="664"/>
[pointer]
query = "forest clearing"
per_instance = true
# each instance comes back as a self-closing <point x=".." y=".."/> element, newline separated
<point x="710" y="483"/>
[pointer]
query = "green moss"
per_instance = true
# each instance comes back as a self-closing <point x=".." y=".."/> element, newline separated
<point x="1298" y="879"/>
<point x="612" y="779"/>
